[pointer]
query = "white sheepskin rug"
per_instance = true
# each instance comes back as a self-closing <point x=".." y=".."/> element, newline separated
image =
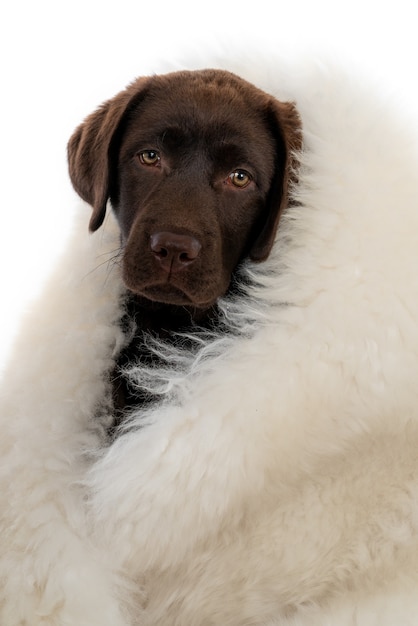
<point x="276" y="483"/>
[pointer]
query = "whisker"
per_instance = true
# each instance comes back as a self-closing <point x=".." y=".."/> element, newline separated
<point x="114" y="258"/>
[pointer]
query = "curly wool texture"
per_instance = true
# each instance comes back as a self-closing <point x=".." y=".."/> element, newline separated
<point x="276" y="482"/>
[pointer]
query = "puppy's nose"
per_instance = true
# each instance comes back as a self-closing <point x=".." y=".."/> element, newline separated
<point x="174" y="252"/>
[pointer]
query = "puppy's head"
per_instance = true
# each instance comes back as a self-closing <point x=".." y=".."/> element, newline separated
<point x="197" y="167"/>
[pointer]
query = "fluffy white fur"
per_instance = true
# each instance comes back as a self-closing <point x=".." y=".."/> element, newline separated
<point x="277" y="482"/>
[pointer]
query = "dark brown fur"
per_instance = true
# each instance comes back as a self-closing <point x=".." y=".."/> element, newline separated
<point x="185" y="226"/>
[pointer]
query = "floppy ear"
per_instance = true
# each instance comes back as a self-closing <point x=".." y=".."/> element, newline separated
<point x="90" y="154"/>
<point x="287" y="130"/>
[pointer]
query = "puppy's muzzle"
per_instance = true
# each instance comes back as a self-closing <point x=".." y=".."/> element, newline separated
<point x="174" y="252"/>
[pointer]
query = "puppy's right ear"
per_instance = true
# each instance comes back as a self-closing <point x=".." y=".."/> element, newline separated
<point x="89" y="150"/>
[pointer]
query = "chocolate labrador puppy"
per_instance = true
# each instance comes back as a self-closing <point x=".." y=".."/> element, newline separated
<point x="197" y="167"/>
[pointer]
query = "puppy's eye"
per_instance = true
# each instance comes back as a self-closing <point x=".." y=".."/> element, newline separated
<point x="149" y="157"/>
<point x="240" y="178"/>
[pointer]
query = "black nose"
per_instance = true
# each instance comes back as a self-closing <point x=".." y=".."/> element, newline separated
<point x="174" y="252"/>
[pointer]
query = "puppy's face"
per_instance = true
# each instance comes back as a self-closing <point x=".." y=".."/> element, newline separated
<point x="197" y="173"/>
<point x="193" y="174"/>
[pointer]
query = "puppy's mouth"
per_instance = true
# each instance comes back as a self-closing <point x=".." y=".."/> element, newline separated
<point x="182" y="289"/>
<point x="167" y="293"/>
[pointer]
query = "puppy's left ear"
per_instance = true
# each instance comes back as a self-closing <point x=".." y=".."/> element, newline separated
<point x="286" y="128"/>
<point x="90" y="150"/>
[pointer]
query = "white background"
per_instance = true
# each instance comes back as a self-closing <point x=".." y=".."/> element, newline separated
<point x="59" y="60"/>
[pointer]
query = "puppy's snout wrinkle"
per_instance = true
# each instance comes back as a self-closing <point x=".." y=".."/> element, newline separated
<point x="174" y="252"/>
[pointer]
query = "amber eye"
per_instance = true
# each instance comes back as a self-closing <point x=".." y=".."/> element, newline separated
<point x="149" y="157"/>
<point x="240" y="178"/>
